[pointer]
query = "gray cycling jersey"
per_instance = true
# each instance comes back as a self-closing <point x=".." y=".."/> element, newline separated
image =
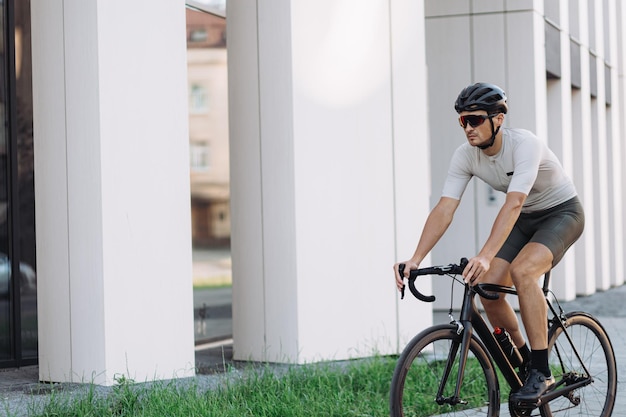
<point x="524" y="164"/>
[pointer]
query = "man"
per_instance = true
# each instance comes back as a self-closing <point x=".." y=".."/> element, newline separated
<point x="539" y="220"/>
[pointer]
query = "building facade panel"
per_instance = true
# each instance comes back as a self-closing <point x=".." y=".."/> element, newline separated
<point x="341" y="129"/>
<point x="246" y="183"/>
<point x="341" y="147"/>
<point x="450" y="35"/>
<point x="98" y="321"/>
<point x="54" y="311"/>
<point x="411" y="150"/>
<point x="576" y="121"/>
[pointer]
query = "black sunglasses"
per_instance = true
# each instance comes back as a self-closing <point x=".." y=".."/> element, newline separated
<point x="474" y="120"/>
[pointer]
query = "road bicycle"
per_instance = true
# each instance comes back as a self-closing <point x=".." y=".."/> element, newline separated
<point x="449" y="370"/>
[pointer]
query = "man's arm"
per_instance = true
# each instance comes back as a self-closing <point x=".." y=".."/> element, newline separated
<point x="502" y="226"/>
<point x="437" y="223"/>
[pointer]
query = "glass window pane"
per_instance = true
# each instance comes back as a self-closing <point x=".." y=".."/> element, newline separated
<point x="18" y="295"/>
<point x="24" y="237"/>
<point x="5" y="301"/>
<point x="209" y="174"/>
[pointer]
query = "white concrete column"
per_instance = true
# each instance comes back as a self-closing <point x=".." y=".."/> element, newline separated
<point x="617" y="12"/>
<point x="583" y="157"/>
<point x="411" y="146"/>
<point x="327" y="123"/>
<point x="448" y="56"/>
<point x="526" y="68"/>
<point x="497" y="42"/>
<point x="112" y="191"/>
<point x="559" y="92"/>
<point x="488" y="65"/>
<point x="615" y="154"/>
<point x="604" y="268"/>
<point x="246" y="196"/>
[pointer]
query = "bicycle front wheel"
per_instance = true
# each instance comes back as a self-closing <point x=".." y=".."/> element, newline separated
<point x="596" y="353"/>
<point x="422" y="367"/>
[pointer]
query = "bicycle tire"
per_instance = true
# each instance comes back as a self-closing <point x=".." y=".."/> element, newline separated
<point x="419" y="371"/>
<point x="595" y="349"/>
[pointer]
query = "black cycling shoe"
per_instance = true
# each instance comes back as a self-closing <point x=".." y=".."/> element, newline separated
<point x="536" y="385"/>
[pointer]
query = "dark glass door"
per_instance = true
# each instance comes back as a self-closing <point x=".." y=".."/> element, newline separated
<point x="6" y="328"/>
<point x="18" y="278"/>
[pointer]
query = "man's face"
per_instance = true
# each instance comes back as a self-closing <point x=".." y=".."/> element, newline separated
<point x="477" y="126"/>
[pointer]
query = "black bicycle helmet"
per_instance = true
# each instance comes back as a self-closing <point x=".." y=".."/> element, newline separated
<point x="482" y="96"/>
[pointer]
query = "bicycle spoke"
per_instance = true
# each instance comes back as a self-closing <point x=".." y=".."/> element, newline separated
<point x="589" y="340"/>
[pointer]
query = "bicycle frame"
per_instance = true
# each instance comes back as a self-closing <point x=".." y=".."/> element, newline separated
<point x="471" y="320"/>
<point x="471" y="332"/>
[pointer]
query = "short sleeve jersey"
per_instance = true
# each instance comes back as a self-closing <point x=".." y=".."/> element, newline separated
<point x="525" y="164"/>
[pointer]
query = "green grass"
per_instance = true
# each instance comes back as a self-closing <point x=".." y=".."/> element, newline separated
<point x="208" y="285"/>
<point x="360" y="388"/>
<point x="424" y="379"/>
<point x="355" y="388"/>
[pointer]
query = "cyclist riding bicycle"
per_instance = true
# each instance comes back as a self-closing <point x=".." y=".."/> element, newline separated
<point x="539" y="220"/>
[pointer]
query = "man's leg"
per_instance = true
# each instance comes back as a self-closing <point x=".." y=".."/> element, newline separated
<point x="533" y="260"/>
<point x="499" y="312"/>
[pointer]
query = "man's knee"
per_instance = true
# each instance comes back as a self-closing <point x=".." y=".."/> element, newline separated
<point x="524" y="275"/>
<point x="519" y="273"/>
<point x="533" y="261"/>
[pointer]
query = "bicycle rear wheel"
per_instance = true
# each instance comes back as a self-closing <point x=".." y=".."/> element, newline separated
<point x="421" y="368"/>
<point x="596" y="352"/>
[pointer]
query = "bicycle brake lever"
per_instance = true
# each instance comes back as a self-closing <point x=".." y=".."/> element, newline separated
<point x="414" y="291"/>
<point x="401" y="271"/>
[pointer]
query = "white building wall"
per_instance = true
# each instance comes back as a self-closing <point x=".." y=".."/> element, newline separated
<point x="332" y="167"/>
<point x="583" y="145"/>
<point x="411" y="149"/>
<point x="472" y="42"/>
<point x="329" y="178"/>
<point x="617" y="12"/>
<point x="448" y="57"/>
<point x="560" y="133"/>
<point x="112" y="191"/>
<point x="504" y="42"/>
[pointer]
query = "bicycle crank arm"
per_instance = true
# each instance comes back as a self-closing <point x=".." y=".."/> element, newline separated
<point x="566" y="391"/>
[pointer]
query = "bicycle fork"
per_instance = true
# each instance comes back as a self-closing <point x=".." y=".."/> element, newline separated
<point x="465" y="330"/>
<point x="470" y="318"/>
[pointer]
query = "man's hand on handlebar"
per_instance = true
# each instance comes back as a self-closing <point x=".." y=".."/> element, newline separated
<point x="476" y="269"/>
<point x="410" y="265"/>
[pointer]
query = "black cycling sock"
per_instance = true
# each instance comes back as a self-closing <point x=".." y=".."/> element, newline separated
<point x="525" y="352"/>
<point x="539" y="361"/>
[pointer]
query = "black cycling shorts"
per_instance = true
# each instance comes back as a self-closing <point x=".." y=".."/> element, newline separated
<point x="557" y="228"/>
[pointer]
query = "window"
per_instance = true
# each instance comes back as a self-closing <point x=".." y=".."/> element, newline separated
<point x="198" y="99"/>
<point x="18" y="297"/>
<point x="199" y="156"/>
<point x="198" y="35"/>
